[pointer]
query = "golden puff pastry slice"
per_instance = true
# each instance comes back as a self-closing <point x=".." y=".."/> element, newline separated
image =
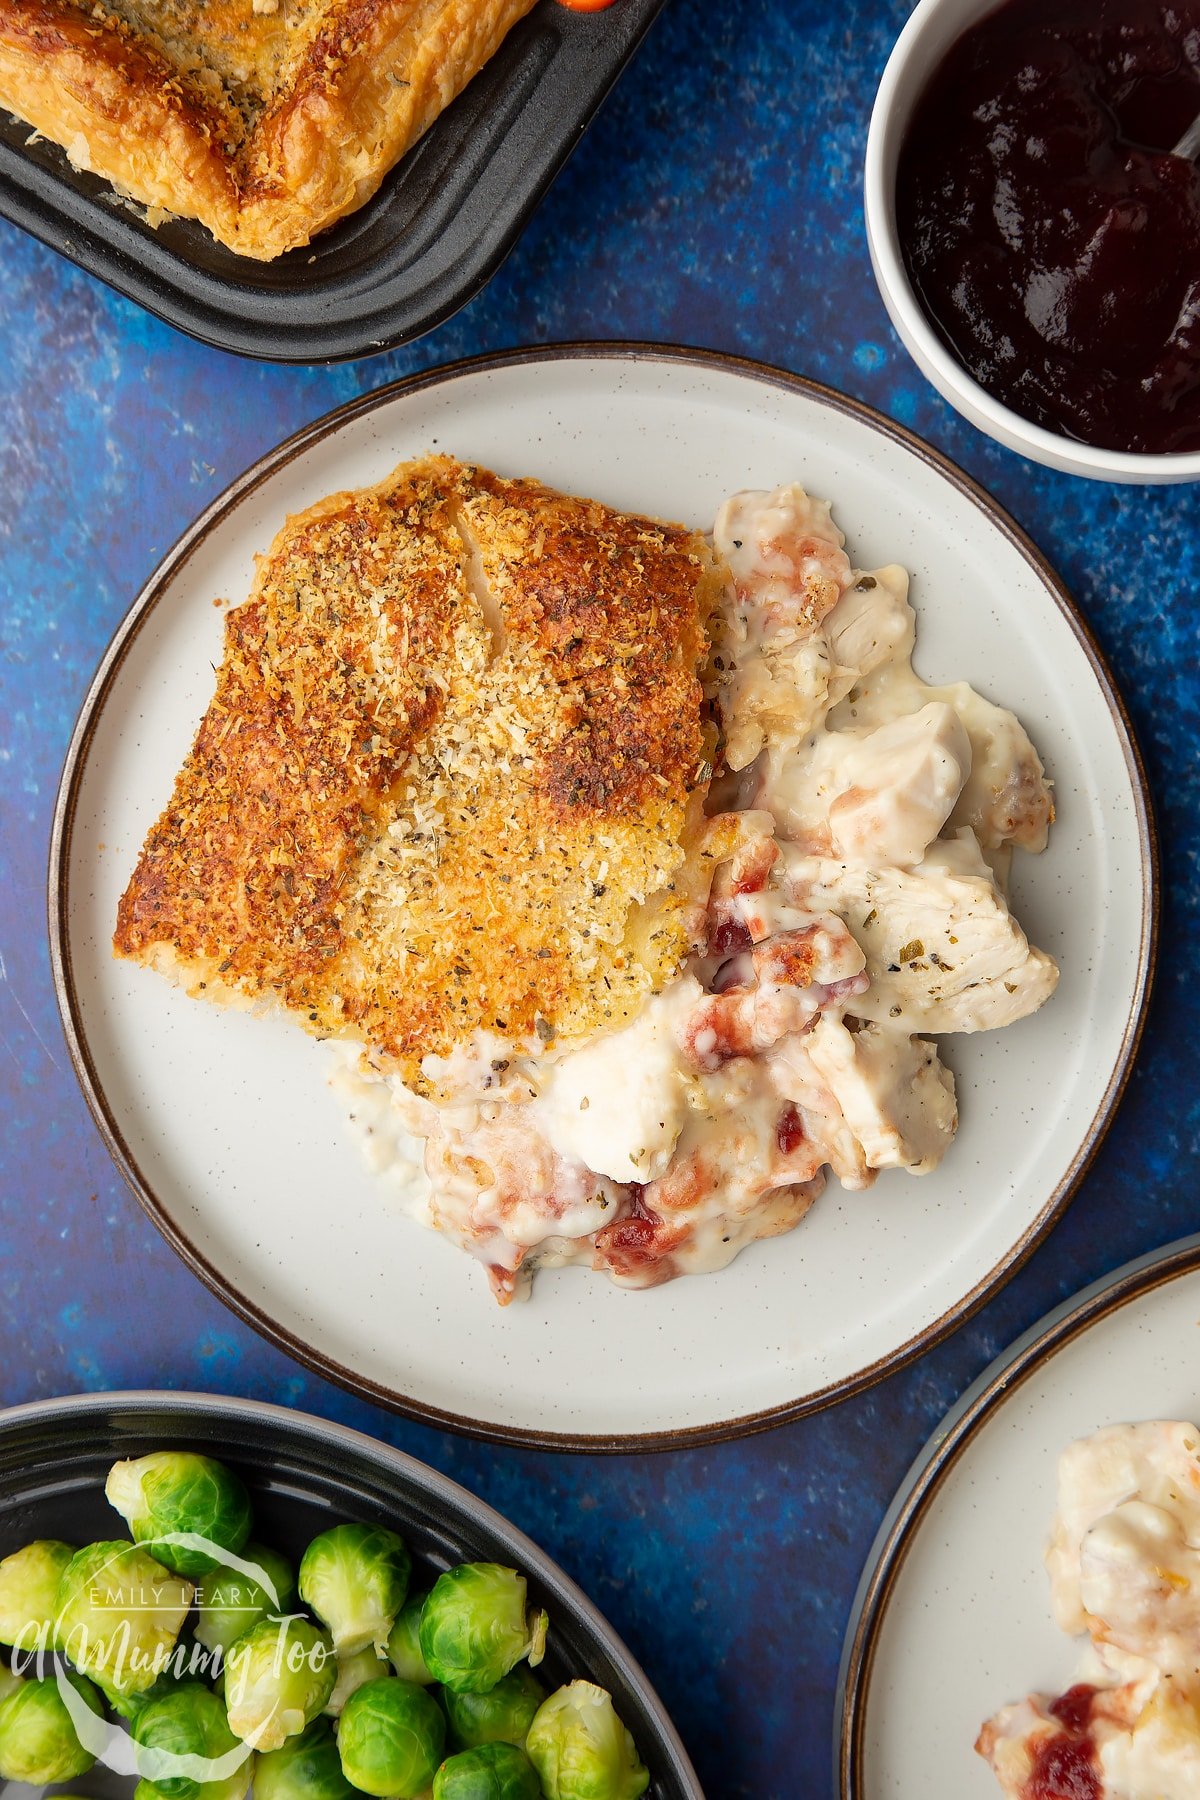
<point x="266" y="120"/>
<point x="450" y="789"/>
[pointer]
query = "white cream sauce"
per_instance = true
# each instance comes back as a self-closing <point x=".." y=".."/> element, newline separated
<point x="619" y="1104"/>
<point x="859" y="911"/>
<point x="1124" y="1567"/>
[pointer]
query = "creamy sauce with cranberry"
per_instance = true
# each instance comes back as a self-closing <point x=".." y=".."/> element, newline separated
<point x="1124" y="1567"/>
<point x="860" y="836"/>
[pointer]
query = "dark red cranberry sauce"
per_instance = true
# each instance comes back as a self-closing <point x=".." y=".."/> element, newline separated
<point x="1064" y="1768"/>
<point x="1052" y="241"/>
<point x="789" y="1131"/>
<point x="1074" y="1708"/>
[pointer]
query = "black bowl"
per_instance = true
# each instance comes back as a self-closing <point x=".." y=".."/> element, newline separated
<point x="305" y="1474"/>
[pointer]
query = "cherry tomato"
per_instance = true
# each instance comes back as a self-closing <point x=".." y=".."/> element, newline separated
<point x="585" y="5"/>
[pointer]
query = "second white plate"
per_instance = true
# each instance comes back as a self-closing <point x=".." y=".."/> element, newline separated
<point x="224" y="1125"/>
<point x="952" y="1619"/>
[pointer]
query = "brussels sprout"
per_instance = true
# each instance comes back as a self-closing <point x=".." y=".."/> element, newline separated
<point x="306" y="1768"/>
<point x="187" y="1724"/>
<point x="581" y="1750"/>
<point x="9" y="1683"/>
<point x="501" y="1716"/>
<point x="38" y="1742"/>
<point x="474" y="1627"/>
<point x="29" y="1581"/>
<point x="490" y="1772"/>
<point x="278" y="1677"/>
<point x="120" y="1614"/>
<point x="187" y="1661"/>
<point x="126" y="1706"/>
<point x="235" y="1787"/>
<point x="390" y="1738"/>
<point x="404" y="1645"/>
<point x="188" y="1508"/>
<point x="229" y="1601"/>
<point x="354" y="1578"/>
<point x="354" y="1672"/>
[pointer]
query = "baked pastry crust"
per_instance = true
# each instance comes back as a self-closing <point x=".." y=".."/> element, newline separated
<point x="451" y="783"/>
<point x="266" y="120"/>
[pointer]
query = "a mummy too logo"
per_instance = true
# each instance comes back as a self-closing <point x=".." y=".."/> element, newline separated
<point x="129" y="1630"/>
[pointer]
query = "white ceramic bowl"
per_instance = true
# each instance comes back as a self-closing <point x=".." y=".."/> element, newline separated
<point x="929" y="33"/>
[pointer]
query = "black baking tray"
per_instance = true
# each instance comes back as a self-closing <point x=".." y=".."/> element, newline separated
<point x="434" y="234"/>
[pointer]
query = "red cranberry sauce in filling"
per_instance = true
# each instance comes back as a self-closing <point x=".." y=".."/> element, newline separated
<point x="1053" y="242"/>
<point x="1064" y="1767"/>
<point x="729" y="937"/>
<point x="1074" y="1708"/>
<point x="789" y="1131"/>
<point x="1063" y="1770"/>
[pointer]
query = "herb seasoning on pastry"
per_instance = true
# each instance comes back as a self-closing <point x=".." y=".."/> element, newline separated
<point x="266" y="120"/>
<point x="628" y="868"/>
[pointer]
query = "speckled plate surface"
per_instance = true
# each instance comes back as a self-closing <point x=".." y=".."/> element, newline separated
<point x="952" y="1619"/>
<point x="224" y="1125"/>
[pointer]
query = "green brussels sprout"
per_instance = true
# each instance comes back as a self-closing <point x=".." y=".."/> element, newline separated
<point x="234" y="1787"/>
<point x="278" y="1677"/>
<point x="307" y="1767"/>
<point x="501" y="1716"/>
<point x="390" y="1738"/>
<point x="581" y="1750"/>
<point x="188" y="1508"/>
<point x="184" y="1743"/>
<point x="120" y="1614"/>
<point x="354" y="1672"/>
<point x="9" y="1683"/>
<point x="404" y="1645"/>
<point x="38" y="1741"/>
<point x="29" y="1581"/>
<point x="474" y="1627"/>
<point x="126" y="1706"/>
<point x="187" y="1661"/>
<point x="229" y="1601"/>
<point x="355" y="1578"/>
<point x="489" y="1772"/>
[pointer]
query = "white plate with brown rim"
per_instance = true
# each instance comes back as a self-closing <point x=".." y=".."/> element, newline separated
<point x="223" y="1123"/>
<point x="952" y="1617"/>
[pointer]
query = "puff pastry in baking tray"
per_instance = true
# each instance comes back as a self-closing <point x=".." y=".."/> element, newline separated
<point x="429" y="238"/>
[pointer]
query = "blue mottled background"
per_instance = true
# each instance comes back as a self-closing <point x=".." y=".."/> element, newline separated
<point x="715" y="201"/>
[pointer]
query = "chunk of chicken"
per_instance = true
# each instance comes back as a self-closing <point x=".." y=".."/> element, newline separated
<point x="1005" y="797"/>
<point x="789" y="570"/>
<point x="787" y="979"/>
<point x="943" y="952"/>
<point x="1158" y="1752"/>
<point x="872" y="624"/>
<point x="1024" y="1735"/>
<point x="893" y="1091"/>
<point x="1156" y="1465"/>
<point x="1139" y="1582"/>
<point x="876" y="796"/>
<point x="902" y="782"/>
<point x="1139" y="1741"/>
<point x="620" y="1103"/>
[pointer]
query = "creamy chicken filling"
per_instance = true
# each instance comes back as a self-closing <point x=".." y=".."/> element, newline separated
<point x="861" y="906"/>
<point x="1124" y="1567"/>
